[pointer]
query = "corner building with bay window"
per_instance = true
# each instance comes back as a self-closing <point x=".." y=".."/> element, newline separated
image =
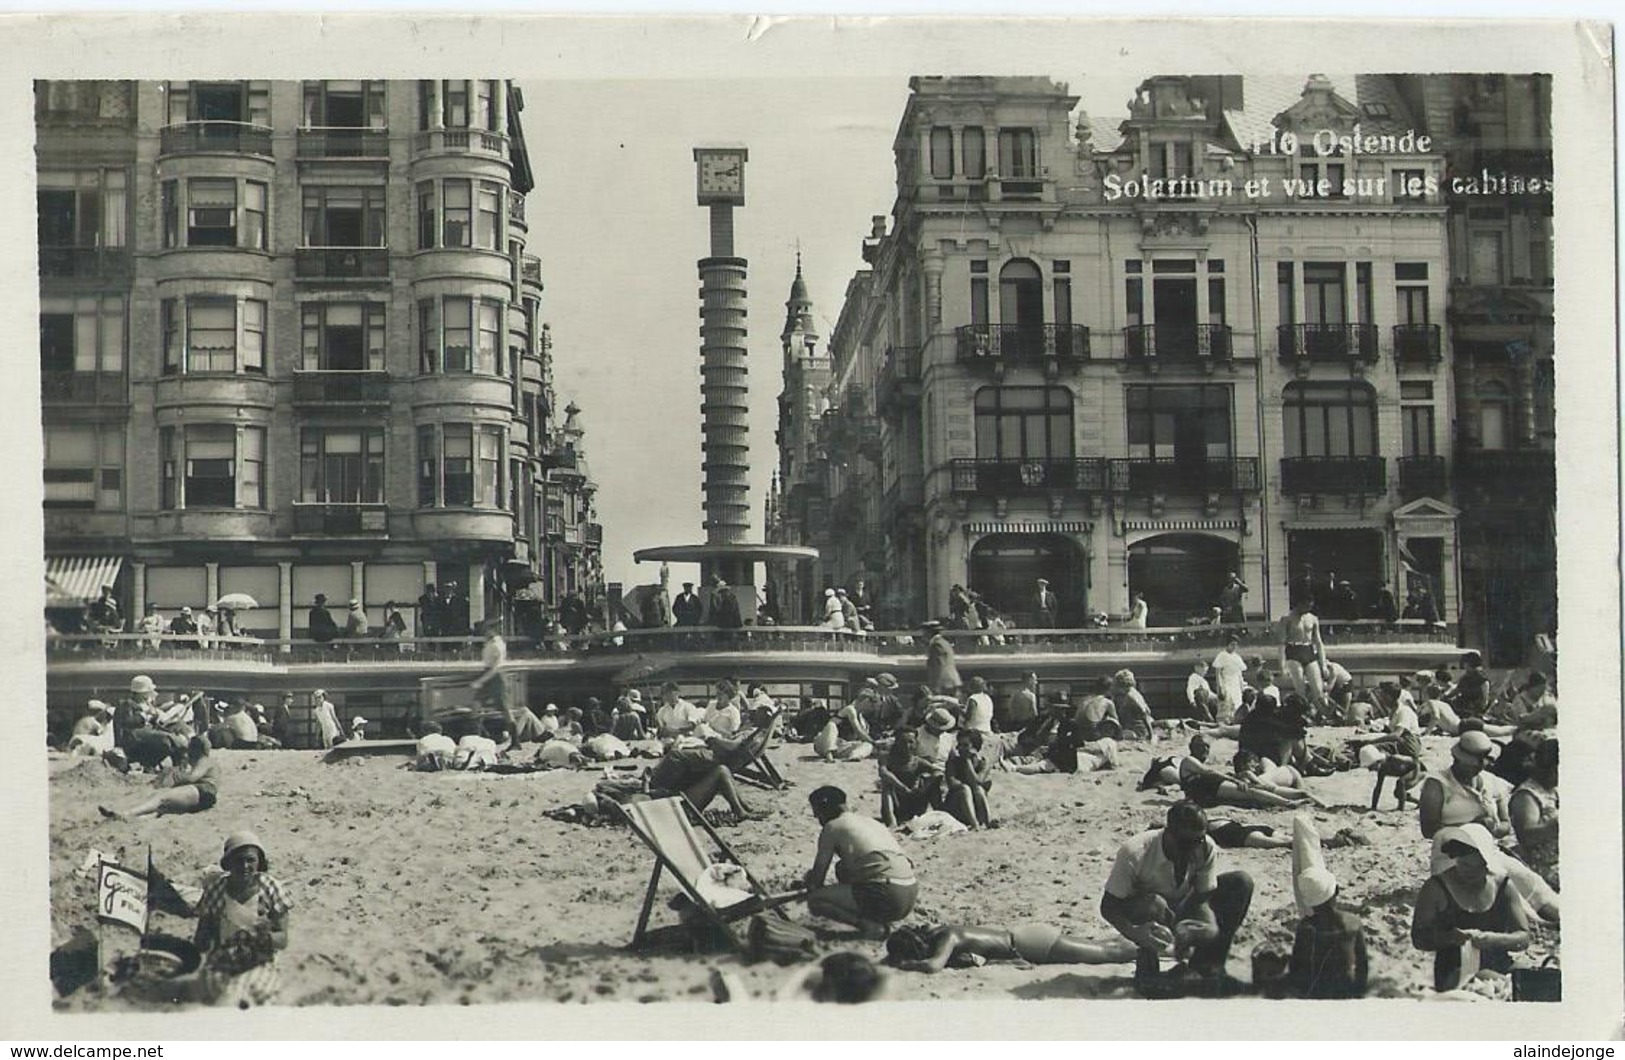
<point x="1045" y="372"/>
<point x="290" y="344"/>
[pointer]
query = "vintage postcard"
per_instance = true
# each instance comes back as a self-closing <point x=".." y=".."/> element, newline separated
<point x="1017" y="528"/>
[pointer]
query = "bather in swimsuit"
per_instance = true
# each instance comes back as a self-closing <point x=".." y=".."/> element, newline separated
<point x="1202" y="788"/>
<point x="1034" y="942"/>
<point x="1303" y="654"/>
<point x="1232" y="835"/>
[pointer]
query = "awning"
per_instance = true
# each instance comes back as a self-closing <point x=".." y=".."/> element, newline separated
<point x="73" y="581"/>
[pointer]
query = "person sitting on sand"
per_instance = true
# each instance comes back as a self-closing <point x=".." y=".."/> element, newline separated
<point x="628" y="722"/>
<point x="910" y="783"/>
<point x="724" y="716"/>
<point x="877" y="886"/>
<point x="435" y="750"/>
<point x="844" y="737"/>
<point x="1065" y="753"/>
<point x="1329" y="958"/>
<point x="1466" y="792"/>
<point x="1467" y="913"/>
<point x="676" y="719"/>
<point x="969" y="779"/>
<point x="1096" y="716"/>
<point x="1133" y="714"/>
<point x="1167" y="897"/>
<point x="242" y="923"/>
<point x="1533" y="810"/>
<point x="191" y="787"/>
<point x="93" y="733"/>
<point x="931" y="949"/>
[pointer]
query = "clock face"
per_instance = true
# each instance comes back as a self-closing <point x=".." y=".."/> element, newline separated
<point x="722" y="174"/>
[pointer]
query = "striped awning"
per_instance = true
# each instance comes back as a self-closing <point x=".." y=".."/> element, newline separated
<point x="73" y="581"/>
<point x="1053" y="527"/>
<point x="1182" y="524"/>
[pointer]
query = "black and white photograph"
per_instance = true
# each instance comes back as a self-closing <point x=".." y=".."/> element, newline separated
<point x="831" y="514"/>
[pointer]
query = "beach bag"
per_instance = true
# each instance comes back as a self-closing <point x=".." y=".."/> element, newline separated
<point x="772" y="938"/>
<point x="1544" y="983"/>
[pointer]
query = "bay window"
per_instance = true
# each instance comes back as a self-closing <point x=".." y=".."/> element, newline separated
<point x="342" y="336"/>
<point x="209" y="333"/>
<point x="214" y="212"/>
<point x="460" y="465"/>
<point x="460" y="334"/>
<point x="211" y="465"/>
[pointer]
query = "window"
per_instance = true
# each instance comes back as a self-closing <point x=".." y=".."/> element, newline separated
<point x="457" y="208"/>
<point x="485" y="111"/>
<point x="1024" y="423"/>
<point x="457" y="336"/>
<point x="206" y="333"/>
<point x="1186" y="423"/>
<point x="1314" y="168"/>
<point x="1411" y="292"/>
<point x="83" y="333"/>
<point x="1329" y="419"/>
<point x="942" y="153"/>
<point x="1485" y="257"/>
<point x="341" y="466"/>
<point x="1215" y="300"/>
<point x="978" y="294"/>
<point x="84" y="467"/>
<point x="212" y="465"/>
<point x="82" y="208"/>
<point x="1416" y="411"/>
<point x="1018" y="154"/>
<point x="488" y="352"/>
<point x="488" y="221"/>
<point x="460" y="465"/>
<point x="456" y="103"/>
<point x="344" y="104"/>
<point x="218" y="212"/>
<point x="342" y="336"/>
<point x="1365" y="311"/>
<point x="973" y="151"/>
<point x="1063" y="300"/>
<point x="1494" y="415"/>
<point x="343" y="217"/>
<point x="105" y="102"/>
<point x="1323" y="297"/>
<point x="460" y="335"/>
<point x="1286" y="292"/>
<point x="1171" y="159"/>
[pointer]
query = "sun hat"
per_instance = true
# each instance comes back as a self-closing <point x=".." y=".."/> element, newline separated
<point x="354" y="602"/>
<point x="938" y="719"/>
<point x="142" y="683"/>
<point x="100" y="707"/>
<point x="357" y="722"/>
<point x="237" y="841"/>
<point x="551" y="708"/>
<point x="186" y="610"/>
<point x="887" y="681"/>
<point x="1474" y="744"/>
<point x="319" y="692"/>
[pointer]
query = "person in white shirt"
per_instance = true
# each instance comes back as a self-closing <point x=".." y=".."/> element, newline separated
<point x="723" y="715"/>
<point x="979" y="707"/>
<point x="1228" y="670"/>
<point x="678" y="719"/>
<point x="1197" y="691"/>
<point x="435" y="750"/>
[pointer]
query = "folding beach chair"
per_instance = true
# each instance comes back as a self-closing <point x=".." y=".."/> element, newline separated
<point x="751" y="764"/>
<point x="663" y="826"/>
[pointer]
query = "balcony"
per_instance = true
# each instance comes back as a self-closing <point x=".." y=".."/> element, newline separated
<point x="592" y="535"/>
<point x="341" y="263"/>
<point x="1007" y="476"/>
<point x="472" y="140"/>
<point x="1329" y="343"/>
<point x="340" y="520"/>
<point x="530" y="270"/>
<point x="69" y="262"/>
<point x="516" y="208"/>
<point x="1050" y="345"/>
<point x="1305" y="475"/>
<point x="1178" y="344"/>
<point x="1417" y="344"/>
<point x="84" y="388"/>
<point x="898" y="382"/>
<point x="558" y="459"/>
<point x="340" y="388"/>
<point x="319" y="142"/>
<point x="1171" y="475"/>
<point x="1422" y="476"/>
<point x="199" y="137"/>
<point x="1507" y="471"/>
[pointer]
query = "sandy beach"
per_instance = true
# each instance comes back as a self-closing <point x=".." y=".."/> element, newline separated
<point x="453" y="888"/>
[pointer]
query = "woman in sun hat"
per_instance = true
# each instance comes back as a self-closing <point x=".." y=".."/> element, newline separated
<point x="1468" y="913"/>
<point x="242" y="923"/>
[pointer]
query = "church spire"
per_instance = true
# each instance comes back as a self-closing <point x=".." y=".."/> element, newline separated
<point x="798" y="310"/>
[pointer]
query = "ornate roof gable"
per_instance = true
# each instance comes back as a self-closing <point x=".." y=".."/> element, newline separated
<point x="1319" y="108"/>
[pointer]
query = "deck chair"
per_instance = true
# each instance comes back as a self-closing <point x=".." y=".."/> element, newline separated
<point x="751" y="764"/>
<point x="663" y="826"/>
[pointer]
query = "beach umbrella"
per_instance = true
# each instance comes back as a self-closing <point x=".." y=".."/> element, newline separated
<point x="237" y="602"/>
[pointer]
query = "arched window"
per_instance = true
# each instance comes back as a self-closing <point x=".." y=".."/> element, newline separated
<point x="1021" y="294"/>
<point x="1024" y="423"/>
<point x="1494" y="414"/>
<point x="1329" y="419"/>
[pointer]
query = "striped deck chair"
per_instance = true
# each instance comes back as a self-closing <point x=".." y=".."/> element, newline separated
<point x="750" y="762"/>
<point x="663" y="826"/>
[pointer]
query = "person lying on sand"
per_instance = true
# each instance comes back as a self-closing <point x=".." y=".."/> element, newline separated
<point x="1235" y="835"/>
<point x="1264" y="775"/>
<point x="192" y="787"/>
<point x="1207" y="787"/>
<point x="877" y="886"/>
<point x="931" y="949"/>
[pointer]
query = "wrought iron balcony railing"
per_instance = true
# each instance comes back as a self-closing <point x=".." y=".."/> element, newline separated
<point x="192" y="137"/>
<point x="1185" y="344"/>
<point x="343" y="142"/>
<point x="1345" y="343"/>
<point x="1001" y="475"/>
<point x="1417" y="343"/>
<point x="1172" y="475"/>
<point x="1024" y="343"/>
<point x="1423" y="476"/>
<point x="1302" y="475"/>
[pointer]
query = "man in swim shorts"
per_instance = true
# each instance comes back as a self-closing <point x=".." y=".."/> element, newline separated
<point x="876" y="884"/>
<point x="1303" y="656"/>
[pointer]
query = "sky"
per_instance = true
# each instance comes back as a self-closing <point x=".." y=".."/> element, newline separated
<point x="614" y="220"/>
